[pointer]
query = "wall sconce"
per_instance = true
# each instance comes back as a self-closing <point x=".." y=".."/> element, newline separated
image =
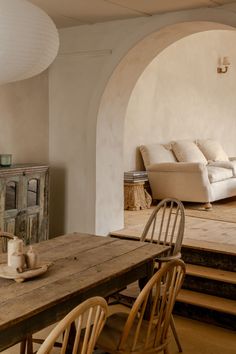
<point x="223" y="65"/>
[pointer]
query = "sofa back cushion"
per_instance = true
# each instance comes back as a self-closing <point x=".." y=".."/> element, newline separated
<point x="187" y="151"/>
<point x="156" y="153"/>
<point x="212" y="150"/>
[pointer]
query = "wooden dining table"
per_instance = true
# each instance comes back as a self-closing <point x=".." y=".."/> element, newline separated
<point x="83" y="265"/>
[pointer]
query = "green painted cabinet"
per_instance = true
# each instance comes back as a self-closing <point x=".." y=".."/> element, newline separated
<point x="24" y="197"/>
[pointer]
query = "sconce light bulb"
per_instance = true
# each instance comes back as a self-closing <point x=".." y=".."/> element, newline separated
<point x="226" y="61"/>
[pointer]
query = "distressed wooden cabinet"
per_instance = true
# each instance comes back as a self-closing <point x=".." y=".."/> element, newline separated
<point x="24" y="194"/>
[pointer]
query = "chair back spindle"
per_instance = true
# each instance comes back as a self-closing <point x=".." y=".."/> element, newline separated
<point x="166" y="226"/>
<point x="150" y="334"/>
<point x="89" y="319"/>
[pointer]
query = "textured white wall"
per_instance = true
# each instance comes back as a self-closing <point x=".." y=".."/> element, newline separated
<point x="89" y="87"/>
<point x="24" y="120"/>
<point x="181" y="96"/>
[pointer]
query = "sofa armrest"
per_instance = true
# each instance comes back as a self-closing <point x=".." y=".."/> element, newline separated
<point x="187" y="181"/>
<point x="232" y="158"/>
<point x="177" y="167"/>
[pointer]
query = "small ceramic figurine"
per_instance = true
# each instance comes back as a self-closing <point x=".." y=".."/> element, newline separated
<point x="31" y="258"/>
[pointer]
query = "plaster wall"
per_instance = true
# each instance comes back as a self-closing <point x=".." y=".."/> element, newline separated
<point x="90" y="85"/>
<point x="24" y="120"/>
<point x="76" y="78"/>
<point x="180" y="95"/>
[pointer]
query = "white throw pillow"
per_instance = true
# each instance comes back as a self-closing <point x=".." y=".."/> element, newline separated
<point x="187" y="151"/>
<point x="156" y="153"/>
<point x="212" y="150"/>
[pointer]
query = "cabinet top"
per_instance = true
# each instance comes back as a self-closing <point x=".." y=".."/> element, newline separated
<point x="23" y="168"/>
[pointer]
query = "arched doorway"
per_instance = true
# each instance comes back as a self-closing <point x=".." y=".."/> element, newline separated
<point x="113" y="105"/>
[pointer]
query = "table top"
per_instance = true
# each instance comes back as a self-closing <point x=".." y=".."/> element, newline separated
<point x="83" y="265"/>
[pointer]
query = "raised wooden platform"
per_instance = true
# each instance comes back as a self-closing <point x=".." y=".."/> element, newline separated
<point x="209" y="250"/>
<point x="209" y="289"/>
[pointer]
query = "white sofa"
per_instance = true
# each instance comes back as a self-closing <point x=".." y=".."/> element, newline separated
<point x="190" y="171"/>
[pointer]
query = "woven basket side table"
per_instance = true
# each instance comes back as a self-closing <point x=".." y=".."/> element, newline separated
<point x="136" y="197"/>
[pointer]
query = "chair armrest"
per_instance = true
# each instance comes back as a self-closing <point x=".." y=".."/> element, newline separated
<point x="177" y="167"/>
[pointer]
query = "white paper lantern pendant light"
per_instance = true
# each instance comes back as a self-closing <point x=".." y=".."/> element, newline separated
<point x="29" y="40"/>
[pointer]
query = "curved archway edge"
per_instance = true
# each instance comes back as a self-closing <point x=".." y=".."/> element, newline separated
<point x="133" y="55"/>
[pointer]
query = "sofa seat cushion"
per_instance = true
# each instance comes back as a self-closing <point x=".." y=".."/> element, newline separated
<point x="187" y="151"/>
<point x="217" y="174"/>
<point x="156" y="153"/>
<point x="212" y="150"/>
<point x="225" y="164"/>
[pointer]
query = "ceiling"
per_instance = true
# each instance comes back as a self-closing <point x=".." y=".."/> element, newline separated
<point x="67" y="13"/>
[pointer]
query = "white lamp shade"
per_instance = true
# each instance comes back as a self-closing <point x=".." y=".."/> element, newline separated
<point x="29" y="40"/>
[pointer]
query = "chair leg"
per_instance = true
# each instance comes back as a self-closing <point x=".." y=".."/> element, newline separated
<point x="173" y="328"/>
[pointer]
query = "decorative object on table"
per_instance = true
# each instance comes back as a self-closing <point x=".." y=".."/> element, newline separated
<point x="17" y="261"/>
<point x="136" y="196"/>
<point x="29" y="40"/>
<point x="20" y="265"/>
<point x="31" y="258"/>
<point x="135" y="176"/>
<point x="14" y="246"/>
<point x="10" y="273"/>
<point x="5" y="160"/>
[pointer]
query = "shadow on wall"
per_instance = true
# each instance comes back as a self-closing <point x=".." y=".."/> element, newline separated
<point x="57" y="201"/>
<point x="139" y="161"/>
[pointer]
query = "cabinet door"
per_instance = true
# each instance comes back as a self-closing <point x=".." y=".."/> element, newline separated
<point x="33" y="203"/>
<point x="10" y="203"/>
<point x="24" y="203"/>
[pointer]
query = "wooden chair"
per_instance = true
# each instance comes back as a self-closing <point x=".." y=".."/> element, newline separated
<point x="166" y="226"/>
<point x="89" y="319"/>
<point x="145" y="328"/>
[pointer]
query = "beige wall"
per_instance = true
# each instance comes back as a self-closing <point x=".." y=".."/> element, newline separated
<point x="181" y="96"/>
<point x="89" y="88"/>
<point x="24" y="119"/>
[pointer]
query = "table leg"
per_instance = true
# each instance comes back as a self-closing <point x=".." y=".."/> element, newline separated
<point x="26" y="346"/>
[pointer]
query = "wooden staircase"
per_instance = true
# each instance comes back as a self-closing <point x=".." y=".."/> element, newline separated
<point x="209" y="289"/>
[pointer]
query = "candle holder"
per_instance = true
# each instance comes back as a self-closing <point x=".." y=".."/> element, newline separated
<point x="5" y="160"/>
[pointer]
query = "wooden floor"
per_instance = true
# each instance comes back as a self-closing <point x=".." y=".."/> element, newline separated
<point x="196" y="338"/>
<point x="211" y="230"/>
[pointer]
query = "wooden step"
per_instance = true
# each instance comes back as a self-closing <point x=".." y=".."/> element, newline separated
<point x="207" y="301"/>
<point x="211" y="273"/>
<point x="206" y="258"/>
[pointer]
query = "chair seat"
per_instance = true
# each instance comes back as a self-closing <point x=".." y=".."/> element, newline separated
<point x="110" y="337"/>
